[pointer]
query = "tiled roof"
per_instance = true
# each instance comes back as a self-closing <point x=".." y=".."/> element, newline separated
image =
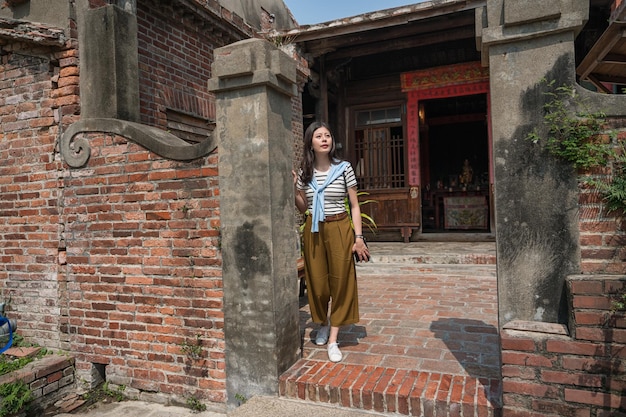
<point x="20" y="30"/>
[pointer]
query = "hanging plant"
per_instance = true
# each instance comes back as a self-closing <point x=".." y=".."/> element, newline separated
<point x="580" y="138"/>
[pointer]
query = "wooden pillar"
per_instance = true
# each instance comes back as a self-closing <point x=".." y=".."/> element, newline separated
<point x="323" y="90"/>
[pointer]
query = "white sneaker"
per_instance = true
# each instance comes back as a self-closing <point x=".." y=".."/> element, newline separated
<point x="334" y="354"/>
<point x="322" y="335"/>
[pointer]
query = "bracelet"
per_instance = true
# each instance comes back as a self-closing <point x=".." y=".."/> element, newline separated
<point x="359" y="236"/>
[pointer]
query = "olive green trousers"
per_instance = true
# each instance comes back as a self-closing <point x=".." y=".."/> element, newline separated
<point x="330" y="272"/>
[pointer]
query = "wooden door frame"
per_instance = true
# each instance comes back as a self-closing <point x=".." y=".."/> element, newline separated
<point x="456" y="80"/>
<point x="441" y="82"/>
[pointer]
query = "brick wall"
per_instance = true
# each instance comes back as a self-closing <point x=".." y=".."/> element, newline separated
<point x="48" y="378"/>
<point x="602" y="234"/>
<point x="175" y="56"/>
<point x="302" y="73"/>
<point x="549" y="372"/>
<point x="119" y="261"/>
<point x="38" y="87"/>
<point x="576" y="370"/>
<point x="145" y="290"/>
<point x="142" y="239"/>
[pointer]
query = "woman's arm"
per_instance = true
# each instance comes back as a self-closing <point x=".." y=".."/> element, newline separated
<point x="301" y="203"/>
<point x="355" y="211"/>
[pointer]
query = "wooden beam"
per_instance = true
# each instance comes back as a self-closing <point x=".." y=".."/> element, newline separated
<point x="456" y="118"/>
<point x="404" y="43"/>
<point x="615" y="59"/>
<point x="600" y="49"/>
<point x="406" y="30"/>
<point x="601" y="87"/>
<point x="607" y="78"/>
<point x="323" y="89"/>
<point x="383" y="19"/>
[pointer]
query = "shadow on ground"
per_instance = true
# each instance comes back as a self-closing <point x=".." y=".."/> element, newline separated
<point x="474" y="344"/>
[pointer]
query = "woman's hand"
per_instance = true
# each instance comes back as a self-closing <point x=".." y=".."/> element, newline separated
<point x="361" y="250"/>
<point x="301" y="202"/>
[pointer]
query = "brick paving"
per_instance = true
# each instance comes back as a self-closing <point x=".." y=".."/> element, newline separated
<point x="427" y="343"/>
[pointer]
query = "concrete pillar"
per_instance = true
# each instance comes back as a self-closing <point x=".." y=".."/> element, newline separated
<point x="109" y="63"/>
<point x="128" y="5"/>
<point x="254" y="82"/>
<point x="536" y="196"/>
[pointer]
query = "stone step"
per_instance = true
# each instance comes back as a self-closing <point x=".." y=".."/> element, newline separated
<point x="261" y="406"/>
<point x="462" y="253"/>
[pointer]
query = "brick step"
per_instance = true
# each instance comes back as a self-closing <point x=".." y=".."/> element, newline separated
<point x="389" y="390"/>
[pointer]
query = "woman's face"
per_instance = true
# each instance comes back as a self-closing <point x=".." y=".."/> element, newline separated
<point x="322" y="141"/>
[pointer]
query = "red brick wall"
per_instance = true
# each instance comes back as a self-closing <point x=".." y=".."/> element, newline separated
<point x="143" y="232"/>
<point x="548" y="373"/>
<point x="142" y="239"/>
<point x="175" y="56"/>
<point x="38" y="86"/>
<point x="578" y="370"/>
<point x="118" y="261"/>
<point x="602" y="234"/>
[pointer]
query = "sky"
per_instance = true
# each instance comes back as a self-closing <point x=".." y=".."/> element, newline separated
<point x="308" y="12"/>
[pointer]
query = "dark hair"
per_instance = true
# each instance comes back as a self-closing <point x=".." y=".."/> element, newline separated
<point x="308" y="158"/>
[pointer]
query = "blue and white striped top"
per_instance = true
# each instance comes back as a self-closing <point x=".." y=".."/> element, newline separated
<point x="335" y="193"/>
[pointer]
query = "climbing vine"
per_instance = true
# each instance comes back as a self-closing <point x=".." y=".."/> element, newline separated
<point x="580" y="137"/>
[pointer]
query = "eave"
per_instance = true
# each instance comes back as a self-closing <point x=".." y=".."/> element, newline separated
<point x="606" y="61"/>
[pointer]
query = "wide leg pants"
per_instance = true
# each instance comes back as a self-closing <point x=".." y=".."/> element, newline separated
<point x="330" y="272"/>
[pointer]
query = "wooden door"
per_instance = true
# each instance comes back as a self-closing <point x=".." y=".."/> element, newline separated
<point x="380" y="155"/>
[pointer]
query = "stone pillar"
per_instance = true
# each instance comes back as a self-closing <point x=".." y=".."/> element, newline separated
<point x="254" y="82"/>
<point x="109" y="63"/>
<point x="536" y="196"/>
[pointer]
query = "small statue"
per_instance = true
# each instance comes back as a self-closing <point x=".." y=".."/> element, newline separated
<point x="467" y="173"/>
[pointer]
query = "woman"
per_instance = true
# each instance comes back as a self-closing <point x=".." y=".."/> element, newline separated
<point x="329" y="240"/>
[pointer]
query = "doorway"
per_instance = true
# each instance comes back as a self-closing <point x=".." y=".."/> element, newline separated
<point x="454" y="164"/>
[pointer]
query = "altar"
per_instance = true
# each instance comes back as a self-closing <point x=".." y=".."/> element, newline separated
<point x="461" y="210"/>
<point x="465" y="212"/>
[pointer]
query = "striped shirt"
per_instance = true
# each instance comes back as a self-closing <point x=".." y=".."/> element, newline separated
<point x="334" y="194"/>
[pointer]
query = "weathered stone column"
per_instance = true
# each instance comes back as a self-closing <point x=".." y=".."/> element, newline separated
<point x="109" y="63"/>
<point x="536" y="196"/>
<point x="253" y="82"/>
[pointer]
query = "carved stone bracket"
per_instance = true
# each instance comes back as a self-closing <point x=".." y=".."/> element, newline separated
<point x="76" y="151"/>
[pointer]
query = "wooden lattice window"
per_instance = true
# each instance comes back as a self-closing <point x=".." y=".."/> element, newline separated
<point x="379" y="149"/>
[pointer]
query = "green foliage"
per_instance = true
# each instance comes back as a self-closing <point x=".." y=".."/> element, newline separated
<point x="15" y="397"/>
<point x="280" y="40"/>
<point x="195" y="404"/>
<point x="578" y="137"/>
<point x="366" y="219"/>
<point x="9" y="364"/>
<point x="619" y="303"/>
<point x="117" y="394"/>
<point x="573" y="137"/>
<point x="241" y="398"/>
<point x="614" y="192"/>
<point x="104" y="393"/>
<point x="193" y="351"/>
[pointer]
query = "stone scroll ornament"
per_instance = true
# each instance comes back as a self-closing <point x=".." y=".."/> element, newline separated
<point x="76" y="150"/>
